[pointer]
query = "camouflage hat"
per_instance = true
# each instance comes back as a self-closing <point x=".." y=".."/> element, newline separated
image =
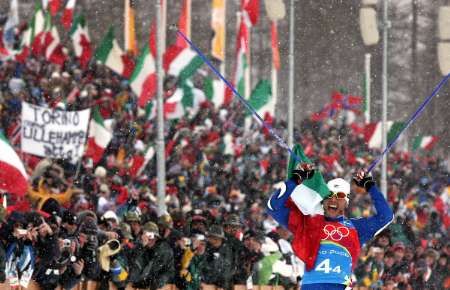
<point x="233" y="220"/>
<point x="132" y="216"/>
<point x="216" y="231"/>
<point x="165" y="221"/>
<point x="151" y="228"/>
<point x="125" y="230"/>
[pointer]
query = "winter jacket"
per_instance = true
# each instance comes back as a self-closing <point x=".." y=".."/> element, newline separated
<point x="2" y="263"/>
<point x="154" y="266"/>
<point x="217" y="268"/>
<point x="42" y="194"/>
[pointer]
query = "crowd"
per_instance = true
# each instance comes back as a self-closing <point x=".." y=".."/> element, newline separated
<point x="100" y="221"/>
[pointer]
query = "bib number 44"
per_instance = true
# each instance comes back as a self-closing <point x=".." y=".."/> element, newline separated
<point x="325" y="266"/>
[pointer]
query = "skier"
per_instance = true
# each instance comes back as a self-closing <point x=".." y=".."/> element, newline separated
<point x="329" y="244"/>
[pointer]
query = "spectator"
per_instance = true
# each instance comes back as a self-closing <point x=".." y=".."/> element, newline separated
<point x="152" y="259"/>
<point x="217" y="269"/>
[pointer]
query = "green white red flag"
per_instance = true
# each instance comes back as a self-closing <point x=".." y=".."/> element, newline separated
<point x="111" y="55"/>
<point x="81" y="41"/>
<point x="99" y="137"/>
<point x="373" y="136"/>
<point x="143" y="81"/>
<point x="424" y="142"/>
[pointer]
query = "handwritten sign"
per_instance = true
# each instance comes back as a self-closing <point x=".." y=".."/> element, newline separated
<point x="54" y="133"/>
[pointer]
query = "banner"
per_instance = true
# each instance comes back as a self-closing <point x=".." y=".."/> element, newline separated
<point x="54" y="133"/>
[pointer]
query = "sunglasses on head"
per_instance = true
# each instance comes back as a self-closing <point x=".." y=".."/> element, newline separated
<point x="338" y="195"/>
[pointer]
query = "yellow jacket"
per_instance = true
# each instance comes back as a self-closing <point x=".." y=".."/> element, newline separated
<point x="42" y="194"/>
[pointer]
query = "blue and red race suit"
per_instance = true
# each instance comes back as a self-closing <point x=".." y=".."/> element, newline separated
<point x="329" y="246"/>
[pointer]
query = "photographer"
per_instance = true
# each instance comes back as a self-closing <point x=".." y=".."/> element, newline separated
<point x="191" y="263"/>
<point x="217" y="269"/>
<point x="88" y="241"/>
<point x="153" y="263"/>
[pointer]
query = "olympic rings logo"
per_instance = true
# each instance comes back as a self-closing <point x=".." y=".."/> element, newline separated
<point x="336" y="234"/>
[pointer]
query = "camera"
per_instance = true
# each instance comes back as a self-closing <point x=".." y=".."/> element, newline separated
<point x="67" y="243"/>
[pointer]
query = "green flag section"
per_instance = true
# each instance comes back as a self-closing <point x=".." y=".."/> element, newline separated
<point x="309" y="194"/>
<point x="262" y="100"/>
<point x="13" y="177"/>
<point x="424" y="142"/>
<point x="373" y="134"/>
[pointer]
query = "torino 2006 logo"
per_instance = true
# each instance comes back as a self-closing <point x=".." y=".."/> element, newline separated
<point x="335" y="233"/>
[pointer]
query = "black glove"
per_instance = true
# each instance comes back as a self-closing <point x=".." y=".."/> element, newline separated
<point x="302" y="172"/>
<point x="363" y="179"/>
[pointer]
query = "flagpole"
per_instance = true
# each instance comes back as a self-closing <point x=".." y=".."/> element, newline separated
<point x="367" y="88"/>
<point x="247" y="72"/>
<point x="222" y="65"/>
<point x="189" y="11"/>
<point x="160" y="155"/>
<point x="163" y="23"/>
<point x="385" y="95"/>
<point x="291" y="76"/>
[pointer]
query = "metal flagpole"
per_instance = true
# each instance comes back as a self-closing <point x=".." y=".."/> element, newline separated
<point x="291" y="76"/>
<point x="160" y="157"/>
<point x="386" y="25"/>
<point x="368" y="82"/>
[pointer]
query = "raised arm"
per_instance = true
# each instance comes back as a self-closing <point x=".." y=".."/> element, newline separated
<point x="277" y="204"/>
<point x="369" y="227"/>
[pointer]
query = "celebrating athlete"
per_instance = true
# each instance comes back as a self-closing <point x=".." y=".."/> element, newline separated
<point x="329" y="244"/>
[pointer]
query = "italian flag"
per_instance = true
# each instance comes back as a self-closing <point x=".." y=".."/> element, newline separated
<point x="38" y="29"/>
<point x="99" y="137"/>
<point x="81" y="41"/>
<point x="54" y="51"/>
<point x="181" y="62"/>
<point x="143" y="81"/>
<point x="309" y="194"/>
<point x="67" y="17"/>
<point x="372" y="133"/>
<point x="13" y="177"/>
<point x="241" y="58"/>
<point x="140" y="161"/>
<point x="215" y="91"/>
<point x="111" y="55"/>
<point x="424" y="142"/>
<point x="24" y="51"/>
<point x="185" y="99"/>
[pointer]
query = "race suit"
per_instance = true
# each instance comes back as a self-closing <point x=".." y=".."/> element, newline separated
<point x="329" y="246"/>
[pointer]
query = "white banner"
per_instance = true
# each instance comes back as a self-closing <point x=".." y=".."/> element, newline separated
<point x="54" y="133"/>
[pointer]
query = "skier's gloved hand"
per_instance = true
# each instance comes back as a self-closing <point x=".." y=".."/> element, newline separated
<point x="363" y="179"/>
<point x="302" y="172"/>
